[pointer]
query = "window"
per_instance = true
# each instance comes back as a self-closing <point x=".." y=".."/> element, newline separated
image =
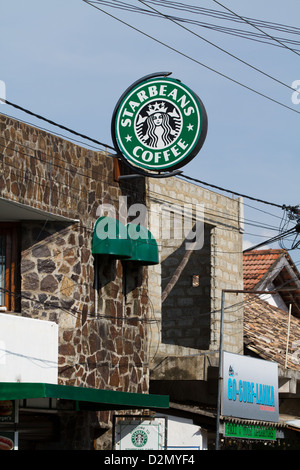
<point x="9" y="266"/>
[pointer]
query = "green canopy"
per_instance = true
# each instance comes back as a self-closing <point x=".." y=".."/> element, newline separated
<point x="85" y="398"/>
<point x="130" y="243"/>
<point x="110" y="238"/>
<point x="144" y="246"/>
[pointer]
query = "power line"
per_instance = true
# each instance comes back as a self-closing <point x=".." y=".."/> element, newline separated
<point x="48" y="304"/>
<point x="27" y="111"/>
<point x="278" y="237"/>
<point x="52" y="132"/>
<point x="254" y="26"/>
<point x="100" y="177"/>
<point x="220" y="48"/>
<point x="127" y="182"/>
<point x="233" y="192"/>
<point x="195" y="10"/>
<point x="184" y="176"/>
<point x="274" y="239"/>
<point x="214" y="214"/>
<point x="194" y="60"/>
<point x="282" y="206"/>
<point x="67" y="194"/>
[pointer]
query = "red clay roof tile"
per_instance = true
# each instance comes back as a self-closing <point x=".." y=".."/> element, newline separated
<point x="256" y="264"/>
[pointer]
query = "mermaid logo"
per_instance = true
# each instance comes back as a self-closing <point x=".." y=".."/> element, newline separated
<point x="139" y="438"/>
<point x="159" y="124"/>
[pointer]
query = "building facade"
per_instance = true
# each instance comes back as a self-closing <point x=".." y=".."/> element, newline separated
<point x="199" y="234"/>
<point x="145" y="325"/>
<point x="51" y="193"/>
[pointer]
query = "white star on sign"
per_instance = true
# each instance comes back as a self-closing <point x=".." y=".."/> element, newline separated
<point x="190" y="127"/>
<point x="128" y="138"/>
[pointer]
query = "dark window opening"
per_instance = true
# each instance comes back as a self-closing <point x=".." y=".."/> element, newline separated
<point x="10" y="266"/>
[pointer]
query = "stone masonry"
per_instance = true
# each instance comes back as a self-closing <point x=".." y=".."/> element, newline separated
<point x="164" y="318"/>
<point x="102" y="334"/>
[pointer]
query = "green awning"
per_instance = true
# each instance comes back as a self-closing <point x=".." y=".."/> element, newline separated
<point x="144" y="246"/>
<point x="110" y="238"/>
<point x="85" y="398"/>
<point x="130" y="243"/>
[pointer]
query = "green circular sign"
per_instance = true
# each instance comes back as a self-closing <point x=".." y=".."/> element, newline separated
<point x="159" y="124"/>
<point x="139" y="438"/>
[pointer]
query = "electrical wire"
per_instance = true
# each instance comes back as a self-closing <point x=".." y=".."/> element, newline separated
<point x="194" y="60"/>
<point x="219" y="48"/>
<point x="94" y="317"/>
<point x="49" y="304"/>
<point x="53" y="132"/>
<point x="279" y="237"/>
<point x="233" y="17"/>
<point x="223" y="189"/>
<point x="281" y="206"/>
<point x="232" y="192"/>
<point x="272" y="240"/>
<point x="195" y="10"/>
<point x="90" y="230"/>
<point x="208" y="212"/>
<point x="38" y="116"/>
<point x="256" y="27"/>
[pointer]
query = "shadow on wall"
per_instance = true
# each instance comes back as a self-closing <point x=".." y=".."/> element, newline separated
<point x="113" y="277"/>
<point x="50" y="267"/>
<point x="186" y="287"/>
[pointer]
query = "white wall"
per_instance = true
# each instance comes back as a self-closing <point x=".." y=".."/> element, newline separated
<point x="183" y="434"/>
<point x="28" y="350"/>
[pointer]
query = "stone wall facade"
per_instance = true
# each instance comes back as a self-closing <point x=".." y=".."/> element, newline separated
<point x="120" y="323"/>
<point x="102" y="333"/>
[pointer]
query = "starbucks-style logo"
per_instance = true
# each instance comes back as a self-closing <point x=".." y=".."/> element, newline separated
<point x="139" y="438"/>
<point x="159" y="124"/>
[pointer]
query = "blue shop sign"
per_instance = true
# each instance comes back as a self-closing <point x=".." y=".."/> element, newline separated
<point x="250" y="388"/>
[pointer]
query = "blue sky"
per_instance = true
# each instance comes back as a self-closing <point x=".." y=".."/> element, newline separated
<point x="70" y="62"/>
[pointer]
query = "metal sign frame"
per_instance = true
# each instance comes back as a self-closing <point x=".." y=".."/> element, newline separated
<point x="135" y="429"/>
